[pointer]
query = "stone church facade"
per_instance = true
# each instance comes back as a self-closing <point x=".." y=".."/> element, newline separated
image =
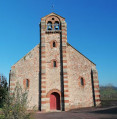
<point x="57" y="76"/>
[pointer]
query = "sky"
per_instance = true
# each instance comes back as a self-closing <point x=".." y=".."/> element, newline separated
<point x="91" y="29"/>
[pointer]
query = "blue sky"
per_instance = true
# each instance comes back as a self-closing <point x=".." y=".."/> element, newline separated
<point x="92" y="29"/>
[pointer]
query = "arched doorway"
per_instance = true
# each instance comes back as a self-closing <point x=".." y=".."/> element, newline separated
<point x="54" y="101"/>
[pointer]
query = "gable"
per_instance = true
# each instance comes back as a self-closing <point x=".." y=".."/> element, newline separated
<point x="80" y="53"/>
<point x="28" y="56"/>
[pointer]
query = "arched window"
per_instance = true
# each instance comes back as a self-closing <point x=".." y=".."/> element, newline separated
<point x="49" y="25"/>
<point x="56" y="25"/>
<point x="54" y="44"/>
<point x="82" y="81"/>
<point x="27" y="83"/>
<point x="54" y="63"/>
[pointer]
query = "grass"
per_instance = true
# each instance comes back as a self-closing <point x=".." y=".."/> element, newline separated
<point x="1" y="115"/>
<point x="107" y="103"/>
<point x="108" y="95"/>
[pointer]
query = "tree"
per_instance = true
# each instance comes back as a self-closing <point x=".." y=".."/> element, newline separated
<point x="108" y="92"/>
<point x="3" y="88"/>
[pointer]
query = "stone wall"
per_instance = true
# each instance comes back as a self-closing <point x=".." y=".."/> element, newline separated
<point x="27" y="68"/>
<point x="79" y="67"/>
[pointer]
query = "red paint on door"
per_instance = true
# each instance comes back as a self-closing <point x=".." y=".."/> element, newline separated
<point x="55" y="101"/>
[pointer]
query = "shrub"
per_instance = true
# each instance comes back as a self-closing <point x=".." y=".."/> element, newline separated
<point x="16" y="104"/>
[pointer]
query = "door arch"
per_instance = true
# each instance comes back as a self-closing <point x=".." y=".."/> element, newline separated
<point x="54" y="101"/>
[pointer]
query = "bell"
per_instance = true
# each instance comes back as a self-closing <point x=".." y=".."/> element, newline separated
<point x="56" y="27"/>
<point x="49" y="27"/>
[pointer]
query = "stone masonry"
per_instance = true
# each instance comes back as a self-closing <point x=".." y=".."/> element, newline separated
<point x="54" y="68"/>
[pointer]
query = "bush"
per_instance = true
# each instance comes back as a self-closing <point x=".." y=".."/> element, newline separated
<point x="16" y="104"/>
<point x="1" y="117"/>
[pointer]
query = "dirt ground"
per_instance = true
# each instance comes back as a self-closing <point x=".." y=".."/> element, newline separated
<point x="86" y="113"/>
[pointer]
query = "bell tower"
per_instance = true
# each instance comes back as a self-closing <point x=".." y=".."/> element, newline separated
<point x="53" y="77"/>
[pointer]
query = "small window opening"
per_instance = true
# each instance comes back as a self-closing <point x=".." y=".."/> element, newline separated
<point x="27" y="83"/>
<point x="54" y="63"/>
<point x="54" y="44"/>
<point x="82" y="81"/>
<point x="52" y="18"/>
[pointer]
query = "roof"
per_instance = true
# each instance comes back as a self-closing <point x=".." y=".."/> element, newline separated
<point x="54" y="14"/>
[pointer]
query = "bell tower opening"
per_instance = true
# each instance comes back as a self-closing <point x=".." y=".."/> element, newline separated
<point x="53" y="23"/>
<point x="49" y="25"/>
<point x="56" y="25"/>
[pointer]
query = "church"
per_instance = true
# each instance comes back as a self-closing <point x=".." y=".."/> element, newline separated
<point x="57" y="76"/>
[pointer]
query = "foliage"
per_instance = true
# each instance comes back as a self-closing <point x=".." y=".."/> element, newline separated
<point x="3" y="89"/>
<point x="108" y="92"/>
<point x="16" y="104"/>
<point x="1" y="116"/>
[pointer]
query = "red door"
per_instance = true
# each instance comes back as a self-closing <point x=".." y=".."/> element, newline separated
<point x="55" y="101"/>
